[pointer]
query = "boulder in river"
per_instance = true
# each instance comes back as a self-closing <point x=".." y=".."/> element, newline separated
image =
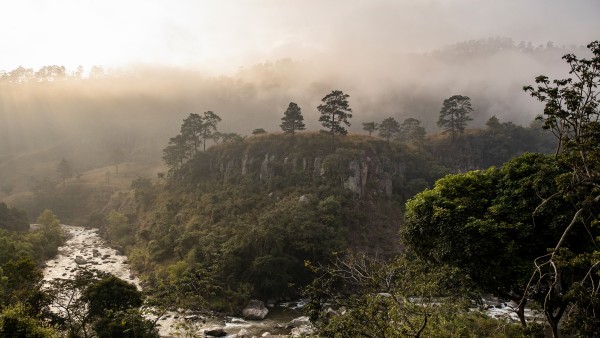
<point x="80" y="260"/>
<point x="302" y="331"/>
<point x="215" y="333"/>
<point x="255" y="310"/>
<point x="297" y="322"/>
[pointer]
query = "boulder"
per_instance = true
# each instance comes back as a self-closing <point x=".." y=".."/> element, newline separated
<point x="297" y="322"/>
<point x="304" y="199"/>
<point x="215" y="333"/>
<point x="302" y="331"/>
<point x="243" y="333"/>
<point x="255" y="310"/>
<point x="80" y="260"/>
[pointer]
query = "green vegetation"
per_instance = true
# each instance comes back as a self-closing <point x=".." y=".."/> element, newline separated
<point x="292" y="119"/>
<point x="389" y="128"/>
<point x="370" y="127"/>
<point x="352" y="222"/>
<point x="240" y="220"/>
<point x="488" y="223"/>
<point x="335" y="110"/>
<point x="13" y="219"/>
<point x="21" y="298"/>
<point x="359" y="296"/>
<point x="455" y="115"/>
<point x="94" y="303"/>
<point x="527" y="231"/>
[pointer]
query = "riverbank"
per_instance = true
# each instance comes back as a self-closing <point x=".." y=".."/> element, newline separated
<point x="86" y="249"/>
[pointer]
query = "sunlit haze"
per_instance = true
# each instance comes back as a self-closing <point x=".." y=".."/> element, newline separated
<point x="224" y="35"/>
<point x="247" y="60"/>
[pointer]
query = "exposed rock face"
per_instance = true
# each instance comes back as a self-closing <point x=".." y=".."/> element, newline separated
<point x="255" y="310"/>
<point x="365" y="168"/>
<point x="386" y="183"/>
<point x="229" y="169"/>
<point x="317" y="165"/>
<point x="304" y="199"/>
<point x="245" y="165"/>
<point x="264" y="168"/>
<point x="353" y="182"/>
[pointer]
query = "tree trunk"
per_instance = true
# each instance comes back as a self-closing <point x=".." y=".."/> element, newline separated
<point x="521" y="313"/>
<point x="554" y="320"/>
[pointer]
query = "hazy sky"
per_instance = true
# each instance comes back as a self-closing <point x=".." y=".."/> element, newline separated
<point x="225" y="34"/>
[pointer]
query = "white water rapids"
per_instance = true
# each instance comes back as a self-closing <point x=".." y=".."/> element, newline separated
<point x="85" y="248"/>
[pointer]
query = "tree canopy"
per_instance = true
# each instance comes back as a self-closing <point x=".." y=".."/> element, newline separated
<point x="412" y="131"/>
<point x="572" y="113"/>
<point x="195" y="130"/>
<point x="455" y="114"/>
<point x="370" y="127"/>
<point x="292" y="119"/>
<point x="335" y="110"/>
<point x="489" y="223"/>
<point x="65" y="170"/>
<point x="389" y="128"/>
<point x="13" y="219"/>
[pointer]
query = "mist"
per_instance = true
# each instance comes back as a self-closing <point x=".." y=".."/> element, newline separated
<point x="246" y="61"/>
<point x="150" y="102"/>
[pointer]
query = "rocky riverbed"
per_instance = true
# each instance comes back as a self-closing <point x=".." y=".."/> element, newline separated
<point x="85" y="248"/>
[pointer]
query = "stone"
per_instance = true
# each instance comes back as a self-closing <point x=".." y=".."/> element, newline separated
<point x="302" y="331"/>
<point x="215" y="333"/>
<point x="255" y="310"/>
<point x="297" y="322"/>
<point x="243" y="333"/>
<point x="264" y="168"/>
<point x="245" y="165"/>
<point x="304" y="199"/>
<point x="317" y="165"/>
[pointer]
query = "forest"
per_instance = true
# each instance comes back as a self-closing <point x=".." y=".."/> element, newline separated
<point x="384" y="228"/>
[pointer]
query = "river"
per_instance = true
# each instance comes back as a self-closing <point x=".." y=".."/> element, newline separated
<point x="85" y="248"/>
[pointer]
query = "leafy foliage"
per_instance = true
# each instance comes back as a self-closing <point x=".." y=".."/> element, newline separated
<point x="13" y="219"/>
<point x="389" y="128"/>
<point x="15" y="322"/>
<point x="455" y="114"/>
<point x="111" y="294"/>
<point x="240" y="219"/>
<point x="99" y="301"/>
<point x="370" y="127"/>
<point x="412" y="131"/>
<point x="565" y="280"/>
<point x="292" y="119"/>
<point x="195" y="129"/>
<point x="482" y="222"/>
<point x="335" y="110"/>
<point x="358" y="296"/>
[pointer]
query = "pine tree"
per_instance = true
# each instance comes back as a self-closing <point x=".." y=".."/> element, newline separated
<point x="335" y="110"/>
<point x="292" y="119"/>
<point x="389" y="128"/>
<point x="370" y="127"/>
<point x="455" y="114"/>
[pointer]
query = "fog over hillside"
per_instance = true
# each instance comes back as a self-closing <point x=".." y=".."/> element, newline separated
<point x="124" y="74"/>
<point x="147" y="104"/>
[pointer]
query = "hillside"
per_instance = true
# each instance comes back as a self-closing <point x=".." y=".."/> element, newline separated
<point x="246" y="216"/>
